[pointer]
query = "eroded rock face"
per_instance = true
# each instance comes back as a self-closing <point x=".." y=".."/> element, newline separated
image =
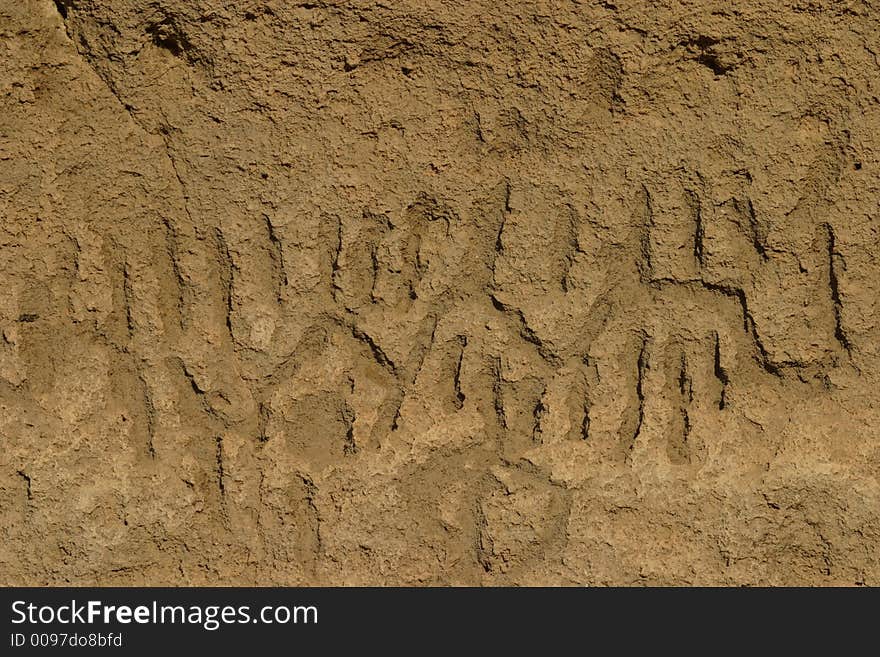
<point x="422" y="293"/>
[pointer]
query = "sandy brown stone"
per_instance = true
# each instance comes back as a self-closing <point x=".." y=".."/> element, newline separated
<point x="510" y="292"/>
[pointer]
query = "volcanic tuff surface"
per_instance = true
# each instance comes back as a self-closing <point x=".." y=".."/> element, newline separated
<point x="421" y="292"/>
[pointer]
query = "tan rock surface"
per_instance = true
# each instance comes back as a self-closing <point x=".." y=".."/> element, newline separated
<point x="350" y="292"/>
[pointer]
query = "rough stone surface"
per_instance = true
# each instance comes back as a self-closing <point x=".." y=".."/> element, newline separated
<point x="421" y="292"/>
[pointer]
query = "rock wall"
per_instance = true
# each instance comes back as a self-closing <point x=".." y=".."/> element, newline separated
<point x="513" y="292"/>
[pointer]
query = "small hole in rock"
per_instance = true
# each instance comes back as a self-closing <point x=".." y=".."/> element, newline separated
<point x="168" y="36"/>
<point x="712" y="62"/>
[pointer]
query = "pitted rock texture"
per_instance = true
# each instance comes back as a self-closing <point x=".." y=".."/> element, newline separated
<point x="510" y="292"/>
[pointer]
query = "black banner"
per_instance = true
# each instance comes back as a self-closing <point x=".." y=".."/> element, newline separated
<point x="133" y="621"/>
